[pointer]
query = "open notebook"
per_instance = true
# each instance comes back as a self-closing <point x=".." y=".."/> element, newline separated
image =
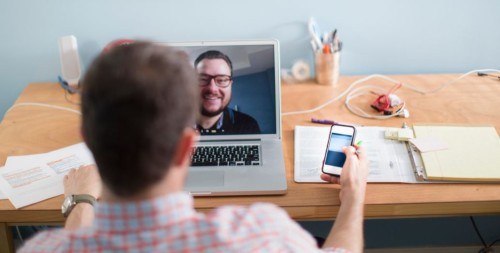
<point x="394" y="161"/>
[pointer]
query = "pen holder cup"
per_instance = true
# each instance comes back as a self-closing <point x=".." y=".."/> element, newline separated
<point x="327" y="68"/>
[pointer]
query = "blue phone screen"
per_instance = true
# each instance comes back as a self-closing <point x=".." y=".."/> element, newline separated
<point x="335" y="156"/>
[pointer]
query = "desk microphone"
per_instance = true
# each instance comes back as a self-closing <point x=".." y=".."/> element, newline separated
<point x="70" y="60"/>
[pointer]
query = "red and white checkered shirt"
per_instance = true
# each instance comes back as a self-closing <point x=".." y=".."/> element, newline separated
<point x="170" y="224"/>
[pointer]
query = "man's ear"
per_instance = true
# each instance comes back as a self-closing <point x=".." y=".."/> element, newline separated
<point x="182" y="155"/>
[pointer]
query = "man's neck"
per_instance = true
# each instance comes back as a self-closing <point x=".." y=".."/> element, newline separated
<point x="207" y="122"/>
<point x="172" y="182"/>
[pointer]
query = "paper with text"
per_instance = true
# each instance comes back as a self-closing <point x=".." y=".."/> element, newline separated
<point x="388" y="159"/>
<point x="32" y="178"/>
<point x="309" y="151"/>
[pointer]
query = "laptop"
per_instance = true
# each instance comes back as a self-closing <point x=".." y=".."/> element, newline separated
<point x="240" y="149"/>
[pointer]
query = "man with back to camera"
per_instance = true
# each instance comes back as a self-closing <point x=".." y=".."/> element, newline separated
<point x="215" y="71"/>
<point x="139" y="103"/>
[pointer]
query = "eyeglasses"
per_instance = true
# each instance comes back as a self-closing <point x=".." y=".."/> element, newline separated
<point x="221" y="81"/>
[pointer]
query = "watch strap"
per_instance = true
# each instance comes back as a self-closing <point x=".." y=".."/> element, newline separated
<point x="79" y="198"/>
<point x="75" y="199"/>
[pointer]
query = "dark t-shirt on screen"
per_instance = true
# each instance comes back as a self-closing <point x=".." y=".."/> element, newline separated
<point x="233" y="122"/>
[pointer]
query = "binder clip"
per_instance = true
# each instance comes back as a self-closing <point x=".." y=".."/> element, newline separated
<point x="403" y="134"/>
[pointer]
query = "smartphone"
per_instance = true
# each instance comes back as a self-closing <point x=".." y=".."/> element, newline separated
<point x="340" y="136"/>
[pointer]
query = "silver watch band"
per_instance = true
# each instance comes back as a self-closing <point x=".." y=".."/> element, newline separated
<point x="79" y="198"/>
<point x="71" y="201"/>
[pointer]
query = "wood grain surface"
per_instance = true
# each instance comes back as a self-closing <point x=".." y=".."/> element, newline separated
<point x="472" y="100"/>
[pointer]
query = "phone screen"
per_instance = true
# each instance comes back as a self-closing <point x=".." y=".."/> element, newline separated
<point x="335" y="156"/>
<point x="340" y="136"/>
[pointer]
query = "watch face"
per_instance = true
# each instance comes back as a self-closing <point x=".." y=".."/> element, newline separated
<point x="66" y="204"/>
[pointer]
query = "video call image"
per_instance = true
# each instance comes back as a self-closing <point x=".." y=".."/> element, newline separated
<point x="335" y="156"/>
<point x="237" y="89"/>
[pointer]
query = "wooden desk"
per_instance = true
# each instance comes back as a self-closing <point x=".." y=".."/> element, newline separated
<point x="472" y="100"/>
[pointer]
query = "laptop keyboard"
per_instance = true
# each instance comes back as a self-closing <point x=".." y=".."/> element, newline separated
<point x="227" y="155"/>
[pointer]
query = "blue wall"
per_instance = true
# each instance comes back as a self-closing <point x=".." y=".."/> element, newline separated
<point x="254" y="95"/>
<point x="384" y="36"/>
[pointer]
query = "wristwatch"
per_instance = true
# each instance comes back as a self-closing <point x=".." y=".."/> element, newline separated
<point x="70" y="202"/>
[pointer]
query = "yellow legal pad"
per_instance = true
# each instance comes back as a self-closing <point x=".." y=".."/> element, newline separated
<point x="473" y="153"/>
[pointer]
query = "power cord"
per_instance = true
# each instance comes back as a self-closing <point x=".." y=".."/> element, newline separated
<point x="486" y="74"/>
<point x="65" y="85"/>
<point x="351" y="93"/>
<point x="486" y="248"/>
<point x="66" y="97"/>
<point x="67" y="90"/>
<point x="44" y="105"/>
<point x="19" y="235"/>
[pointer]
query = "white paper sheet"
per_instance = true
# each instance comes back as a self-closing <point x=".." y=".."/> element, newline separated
<point x="2" y="195"/>
<point x="388" y="159"/>
<point x="29" y="179"/>
<point x="309" y="150"/>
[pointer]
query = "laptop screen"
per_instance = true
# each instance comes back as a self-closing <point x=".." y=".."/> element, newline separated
<point x="237" y="88"/>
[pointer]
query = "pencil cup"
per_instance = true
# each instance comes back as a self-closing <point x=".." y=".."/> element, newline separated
<point x="327" y="68"/>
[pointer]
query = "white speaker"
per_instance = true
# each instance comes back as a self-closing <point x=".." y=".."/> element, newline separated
<point x="70" y="60"/>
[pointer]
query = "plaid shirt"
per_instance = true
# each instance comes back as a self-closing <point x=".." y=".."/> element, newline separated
<point x="170" y="224"/>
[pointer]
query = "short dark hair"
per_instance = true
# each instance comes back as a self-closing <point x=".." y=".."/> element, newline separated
<point x="137" y="100"/>
<point x="214" y="54"/>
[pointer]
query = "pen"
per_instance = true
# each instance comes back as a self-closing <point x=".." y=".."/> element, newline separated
<point x="357" y="146"/>
<point x="323" y="121"/>
<point x="334" y="35"/>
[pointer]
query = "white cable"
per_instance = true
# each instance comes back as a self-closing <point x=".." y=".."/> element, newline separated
<point x="341" y="94"/>
<point x="19" y="235"/>
<point x="44" y="105"/>
<point x="358" y="111"/>
<point x="347" y="92"/>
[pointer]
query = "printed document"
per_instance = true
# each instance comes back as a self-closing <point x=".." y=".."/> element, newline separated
<point x="32" y="178"/>
<point x="388" y="159"/>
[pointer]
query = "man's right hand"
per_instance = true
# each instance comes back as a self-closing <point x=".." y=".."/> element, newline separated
<point x="354" y="175"/>
<point x="85" y="180"/>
